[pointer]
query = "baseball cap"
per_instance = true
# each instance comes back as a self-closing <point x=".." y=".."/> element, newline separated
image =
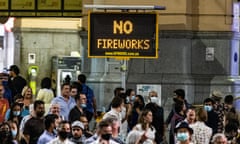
<point x="78" y="124"/>
<point x="183" y="124"/>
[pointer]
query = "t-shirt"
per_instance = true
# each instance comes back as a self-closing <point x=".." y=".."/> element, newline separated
<point x="4" y="105"/>
<point x="34" y="127"/>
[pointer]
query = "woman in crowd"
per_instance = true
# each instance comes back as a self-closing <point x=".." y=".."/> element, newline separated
<point x="145" y="127"/>
<point x="137" y="107"/>
<point x="15" y="132"/>
<point x="202" y="133"/>
<point x="6" y="134"/>
<point x="15" y="113"/>
<point x="46" y="93"/>
<point x="28" y="99"/>
<point x="130" y="96"/>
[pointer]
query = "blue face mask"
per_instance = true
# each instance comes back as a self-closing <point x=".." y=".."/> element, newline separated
<point x="182" y="136"/>
<point x="132" y="98"/>
<point x="83" y="105"/>
<point x="14" y="133"/>
<point x="208" y="108"/>
<point x="16" y="113"/>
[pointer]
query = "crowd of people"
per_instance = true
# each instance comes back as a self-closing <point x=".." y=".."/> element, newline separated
<point x="129" y="119"/>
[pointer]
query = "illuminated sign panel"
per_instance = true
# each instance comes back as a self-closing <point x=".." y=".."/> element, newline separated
<point x="41" y="8"/>
<point x="123" y="35"/>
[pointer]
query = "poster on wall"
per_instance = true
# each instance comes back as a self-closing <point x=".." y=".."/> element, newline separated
<point x="144" y="89"/>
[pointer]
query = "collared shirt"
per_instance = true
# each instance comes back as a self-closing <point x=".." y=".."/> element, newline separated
<point x="98" y="141"/>
<point x="90" y="96"/>
<point x="202" y="133"/>
<point x="91" y="139"/>
<point x="114" y="113"/>
<point x="65" y="106"/>
<point x="46" y="137"/>
<point x="58" y="141"/>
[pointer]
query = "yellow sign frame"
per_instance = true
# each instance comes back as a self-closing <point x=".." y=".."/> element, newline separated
<point x="124" y="57"/>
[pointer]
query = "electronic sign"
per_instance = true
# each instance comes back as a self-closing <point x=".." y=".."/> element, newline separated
<point x="123" y="35"/>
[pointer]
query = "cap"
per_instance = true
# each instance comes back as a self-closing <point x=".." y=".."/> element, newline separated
<point x="183" y="124"/>
<point x="216" y="94"/>
<point x="14" y="68"/>
<point x="78" y="124"/>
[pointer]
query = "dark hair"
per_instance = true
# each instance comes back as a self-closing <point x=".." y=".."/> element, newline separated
<point x="76" y="85"/>
<point x="178" y="106"/>
<point x="77" y="97"/>
<point x="231" y="126"/>
<point x="37" y="103"/>
<point x="140" y="97"/>
<point x="228" y="99"/>
<point x="11" y="111"/>
<point x="49" y="119"/>
<point x="118" y="90"/>
<point x="15" y="69"/>
<point x="116" y="102"/>
<point x="209" y="100"/>
<point x="180" y="93"/>
<point x="128" y="92"/>
<point x="10" y="137"/>
<point x="46" y="83"/>
<point x="103" y="123"/>
<point x="61" y="124"/>
<point x="82" y="78"/>
<point x="18" y="96"/>
<point x="65" y="84"/>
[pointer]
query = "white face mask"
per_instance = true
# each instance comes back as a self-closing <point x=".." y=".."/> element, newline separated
<point x="154" y="100"/>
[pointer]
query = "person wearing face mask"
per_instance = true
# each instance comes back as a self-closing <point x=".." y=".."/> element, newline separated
<point x="15" y="132"/>
<point x="34" y="127"/>
<point x="5" y="134"/>
<point x="79" y="109"/>
<point x="130" y="96"/>
<point x="213" y="118"/>
<point x="104" y="133"/>
<point x="158" y="117"/>
<point x="50" y="122"/>
<point x="15" y="113"/>
<point x="183" y="133"/>
<point x="64" y="131"/>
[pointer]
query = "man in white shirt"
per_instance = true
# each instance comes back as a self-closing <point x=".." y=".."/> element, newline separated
<point x="105" y="133"/>
<point x="64" y="131"/>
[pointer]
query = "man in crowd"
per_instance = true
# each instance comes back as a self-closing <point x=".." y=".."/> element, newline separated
<point x="50" y="122"/>
<point x="64" y="130"/>
<point x="34" y="127"/>
<point x="104" y="133"/>
<point x="213" y="118"/>
<point x="79" y="108"/>
<point x="91" y="100"/>
<point x="65" y="101"/>
<point x="78" y="136"/>
<point x="16" y="82"/>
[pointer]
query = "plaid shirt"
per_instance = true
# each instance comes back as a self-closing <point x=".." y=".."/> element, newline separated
<point x="201" y="133"/>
